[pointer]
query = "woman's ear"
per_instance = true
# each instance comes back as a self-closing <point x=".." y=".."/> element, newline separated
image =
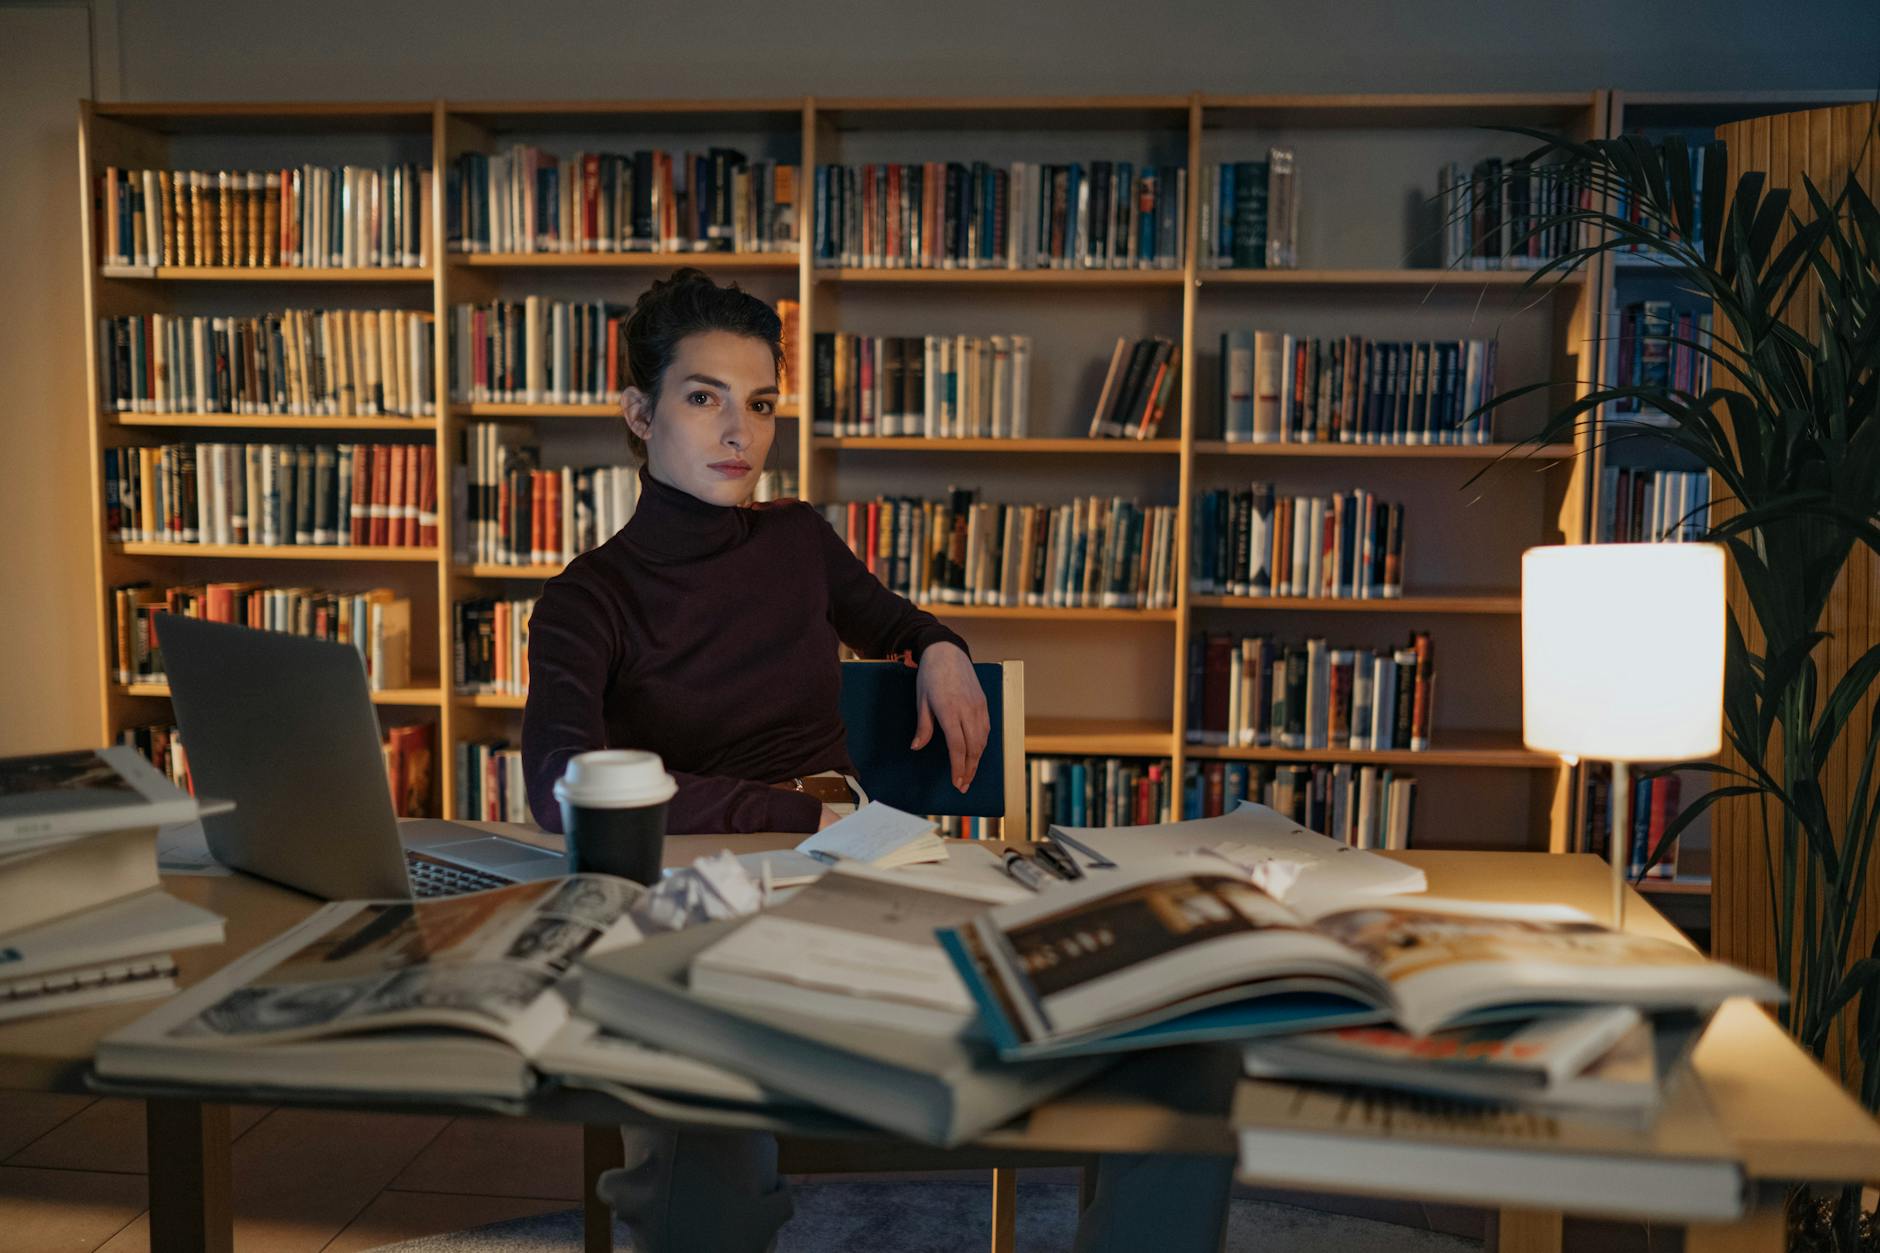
<point x="637" y="407"/>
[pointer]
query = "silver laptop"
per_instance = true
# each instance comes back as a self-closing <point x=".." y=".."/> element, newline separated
<point x="283" y="725"/>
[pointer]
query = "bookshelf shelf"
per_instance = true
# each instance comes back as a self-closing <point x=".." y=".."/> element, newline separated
<point x="422" y="695"/>
<point x="486" y="570"/>
<point x="1390" y="452"/>
<point x="266" y="274"/>
<point x="1453" y="748"/>
<point x="1189" y="304"/>
<point x="1423" y="603"/>
<point x="1675" y="887"/>
<point x="1382" y="278"/>
<point x="285" y="552"/>
<point x="272" y="422"/>
<point x="1044" y="613"/>
<point x="920" y="443"/>
<point x="658" y="261"/>
<point x="1001" y="277"/>
<point x="1097" y="737"/>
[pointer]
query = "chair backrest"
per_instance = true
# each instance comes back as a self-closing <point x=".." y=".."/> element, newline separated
<point x="878" y="711"/>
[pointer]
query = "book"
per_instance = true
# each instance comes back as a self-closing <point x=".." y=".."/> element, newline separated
<point x="1170" y="950"/>
<point x="452" y="995"/>
<point x="377" y="622"/>
<point x="1237" y="551"/>
<point x="857" y="945"/>
<point x="932" y="1088"/>
<point x="1277" y="684"/>
<point x="1354" y="390"/>
<point x="1680" y="1166"/>
<point x="1608" y="1062"/>
<point x="1097" y="792"/>
<point x="50" y="799"/>
<point x="936" y="386"/>
<point x="874" y="835"/>
<point x="115" y="952"/>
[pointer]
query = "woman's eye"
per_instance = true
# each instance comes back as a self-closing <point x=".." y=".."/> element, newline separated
<point x="761" y="406"/>
<point x="700" y="398"/>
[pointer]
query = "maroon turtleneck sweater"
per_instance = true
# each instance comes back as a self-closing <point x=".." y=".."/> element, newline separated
<point x="708" y="635"/>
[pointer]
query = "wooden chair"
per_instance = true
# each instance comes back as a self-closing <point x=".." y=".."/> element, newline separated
<point x="879" y="711"/>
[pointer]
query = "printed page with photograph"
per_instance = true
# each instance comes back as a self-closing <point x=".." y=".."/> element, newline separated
<point x="380" y="973"/>
<point x="1168" y="951"/>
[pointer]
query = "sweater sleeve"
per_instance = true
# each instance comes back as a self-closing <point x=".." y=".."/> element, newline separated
<point x="574" y="649"/>
<point x="869" y="618"/>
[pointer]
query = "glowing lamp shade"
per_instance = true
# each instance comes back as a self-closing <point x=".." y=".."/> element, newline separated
<point x="1622" y="650"/>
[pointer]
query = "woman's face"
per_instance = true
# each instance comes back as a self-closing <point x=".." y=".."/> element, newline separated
<point x="715" y="419"/>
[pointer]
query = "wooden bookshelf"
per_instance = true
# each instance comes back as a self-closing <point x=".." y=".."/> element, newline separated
<point x="1099" y="685"/>
<point x="423" y="694"/>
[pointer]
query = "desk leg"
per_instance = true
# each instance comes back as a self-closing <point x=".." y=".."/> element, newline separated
<point x="189" y="1177"/>
<point x="601" y="1150"/>
<point x="1764" y="1229"/>
<point x="1529" y="1231"/>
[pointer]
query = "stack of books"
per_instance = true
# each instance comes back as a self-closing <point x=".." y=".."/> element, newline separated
<point x="82" y="919"/>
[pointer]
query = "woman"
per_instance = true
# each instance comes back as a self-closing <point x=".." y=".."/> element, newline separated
<point x="706" y="630"/>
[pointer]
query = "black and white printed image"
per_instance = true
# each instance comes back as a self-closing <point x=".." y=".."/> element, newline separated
<point x="553" y="942"/>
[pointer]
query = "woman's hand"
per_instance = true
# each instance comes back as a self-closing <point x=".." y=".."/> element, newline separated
<point x="948" y="695"/>
<point x="829" y="818"/>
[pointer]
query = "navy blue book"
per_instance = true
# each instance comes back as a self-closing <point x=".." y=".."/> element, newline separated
<point x="878" y="710"/>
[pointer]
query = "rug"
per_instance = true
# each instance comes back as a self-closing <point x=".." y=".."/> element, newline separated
<point x="932" y="1217"/>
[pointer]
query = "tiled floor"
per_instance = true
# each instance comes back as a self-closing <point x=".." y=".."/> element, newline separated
<point x="305" y="1181"/>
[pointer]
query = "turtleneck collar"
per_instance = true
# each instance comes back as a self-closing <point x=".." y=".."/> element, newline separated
<point x="671" y="525"/>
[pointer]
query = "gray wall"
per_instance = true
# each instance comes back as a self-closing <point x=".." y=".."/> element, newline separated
<point x="224" y="49"/>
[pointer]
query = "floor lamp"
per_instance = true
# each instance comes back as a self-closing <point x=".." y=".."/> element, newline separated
<point x="1622" y="661"/>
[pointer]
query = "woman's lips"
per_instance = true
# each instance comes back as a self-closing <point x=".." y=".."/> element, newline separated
<point x="731" y="469"/>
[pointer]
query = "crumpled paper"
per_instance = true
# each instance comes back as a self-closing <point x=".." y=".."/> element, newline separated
<point x="709" y="890"/>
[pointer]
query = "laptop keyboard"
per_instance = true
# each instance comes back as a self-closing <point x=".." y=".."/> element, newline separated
<point x="432" y="877"/>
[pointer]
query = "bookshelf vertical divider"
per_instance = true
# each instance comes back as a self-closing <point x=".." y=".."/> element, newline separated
<point x="1184" y="500"/>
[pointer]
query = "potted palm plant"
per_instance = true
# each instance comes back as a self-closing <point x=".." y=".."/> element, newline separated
<point x="1788" y="427"/>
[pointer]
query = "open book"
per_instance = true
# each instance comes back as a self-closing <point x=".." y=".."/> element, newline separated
<point x="450" y="995"/>
<point x="1170" y="951"/>
<point x="875" y="835"/>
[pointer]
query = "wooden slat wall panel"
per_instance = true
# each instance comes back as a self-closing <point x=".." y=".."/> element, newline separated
<point x="1824" y="144"/>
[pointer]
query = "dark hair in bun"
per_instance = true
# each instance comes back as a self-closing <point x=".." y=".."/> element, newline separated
<point x="686" y="303"/>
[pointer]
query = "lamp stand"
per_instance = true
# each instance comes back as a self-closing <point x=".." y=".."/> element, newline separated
<point x="1619" y="840"/>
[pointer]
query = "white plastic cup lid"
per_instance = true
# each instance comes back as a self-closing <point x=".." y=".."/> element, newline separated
<point x="615" y="778"/>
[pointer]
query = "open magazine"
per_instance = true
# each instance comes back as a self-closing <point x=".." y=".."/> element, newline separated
<point x="451" y="995"/>
<point x="1170" y="951"/>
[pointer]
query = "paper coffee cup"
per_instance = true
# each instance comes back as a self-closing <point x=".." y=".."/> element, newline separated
<point x="613" y="813"/>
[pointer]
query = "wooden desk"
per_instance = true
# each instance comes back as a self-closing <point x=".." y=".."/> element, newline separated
<point x="1787" y="1118"/>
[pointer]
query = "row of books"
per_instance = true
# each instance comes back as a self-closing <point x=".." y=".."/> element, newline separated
<point x="1138" y="388"/>
<point x="1706" y="197"/>
<point x="1252" y="542"/>
<point x="1279" y="388"/>
<point x="1655" y="804"/>
<point x="1361" y="806"/>
<point x="539" y="350"/>
<point x="1025" y="215"/>
<point x="1653" y="506"/>
<point x="936" y="386"/>
<point x="377" y="622"/>
<point x="1250" y="213"/>
<point x="333" y="362"/>
<point x="490" y="784"/>
<point x="1097" y="792"/>
<point x="308" y="217"/>
<point x="1497" y="214"/>
<point x="1660" y="348"/>
<point x="1253" y="691"/>
<point x="1097" y="552"/>
<point x="490" y="646"/>
<point x="528" y="200"/>
<point x="272" y="494"/>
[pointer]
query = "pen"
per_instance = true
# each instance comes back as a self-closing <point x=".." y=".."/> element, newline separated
<point x="1019" y="867"/>
<point x="1097" y="860"/>
<point x="1058" y="861"/>
<point x="827" y="859"/>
